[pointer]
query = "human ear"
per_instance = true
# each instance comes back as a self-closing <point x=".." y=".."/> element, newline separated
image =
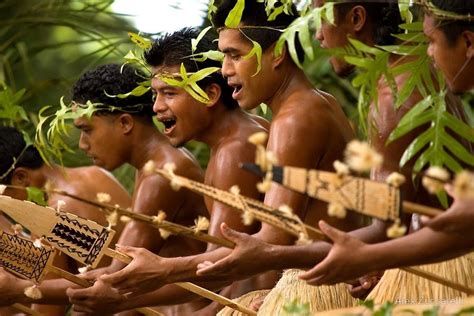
<point x="21" y="177"/>
<point x="358" y="18"/>
<point x="126" y="123"/>
<point x="214" y="93"/>
<point x="468" y="38"/>
<point x="277" y="59"/>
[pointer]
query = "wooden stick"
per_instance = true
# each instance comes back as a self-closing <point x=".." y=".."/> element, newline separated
<point x="410" y="207"/>
<point x="440" y="280"/>
<point x="26" y="310"/>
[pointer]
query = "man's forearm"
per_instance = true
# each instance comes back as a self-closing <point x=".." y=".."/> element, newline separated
<point x="183" y="269"/>
<point x="423" y="247"/>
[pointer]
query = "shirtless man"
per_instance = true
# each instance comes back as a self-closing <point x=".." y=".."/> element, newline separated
<point x="448" y="235"/>
<point x="221" y="125"/>
<point x="128" y="135"/>
<point x="295" y="138"/>
<point x="86" y="182"/>
<point x="371" y="23"/>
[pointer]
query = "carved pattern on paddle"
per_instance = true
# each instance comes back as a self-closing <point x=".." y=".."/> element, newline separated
<point x="21" y="257"/>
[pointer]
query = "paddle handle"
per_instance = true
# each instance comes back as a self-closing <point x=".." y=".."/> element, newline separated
<point x="216" y="297"/>
<point x="26" y="310"/>
<point x="190" y="286"/>
<point x="410" y="207"/>
<point x="440" y="280"/>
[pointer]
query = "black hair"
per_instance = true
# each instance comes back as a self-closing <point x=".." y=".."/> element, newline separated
<point x="15" y="153"/>
<point x="452" y="29"/>
<point x="113" y="79"/>
<point x="175" y="48"/>
<point x="385" y="17"/>
<point x="254" y="14"/>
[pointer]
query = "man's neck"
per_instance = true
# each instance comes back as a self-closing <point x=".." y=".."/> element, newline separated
<point x="294" y="80"/>
<point x="223" y="124"/>
<point x="145" y="141"/>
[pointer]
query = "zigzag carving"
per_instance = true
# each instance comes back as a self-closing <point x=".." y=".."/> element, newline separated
<point x="73" y="236"/>
<point x="20" y="256"/>
<point x="76" y="223"/>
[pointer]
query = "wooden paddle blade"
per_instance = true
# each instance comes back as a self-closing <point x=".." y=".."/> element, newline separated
<point x="81" y="239"/>
<point x="21" y="257"/>
<point x="375" y="199"/>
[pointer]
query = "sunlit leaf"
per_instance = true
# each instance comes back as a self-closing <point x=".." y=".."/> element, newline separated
<point x="141" y="41"/>
<point x="137" y="92"/>
<point x="235" y="15"/>
<point x="195" y="41"/>
<point x="212" y="55"/>
<point x="257" y="51"/>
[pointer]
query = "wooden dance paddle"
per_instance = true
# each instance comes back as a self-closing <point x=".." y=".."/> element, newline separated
<point x="276" y="218"/>
<point x="371" y="198"/>
<point x="21" y="257"/>
<point x="84" y="240"/>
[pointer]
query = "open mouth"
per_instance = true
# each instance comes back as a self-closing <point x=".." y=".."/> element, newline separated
<point x="169" y="125"/>
<point x="237" y="89"/>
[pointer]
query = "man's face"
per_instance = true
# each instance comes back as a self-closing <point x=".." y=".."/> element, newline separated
<point x="184" y="117"/>
<point x="250" y="89"/>
<point x="334" y="36"/>
<point x="101" y="140"/>
<point x="449" y="58"/>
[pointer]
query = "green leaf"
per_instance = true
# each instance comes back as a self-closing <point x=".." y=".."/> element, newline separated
<point x="367" y="303"/>
<point x="235" y="15"/>
<point x="212" y="8"/>
<point x="295" y="308"/>
<point x="212" y="55"/>
<point x="257" y="51"/>
<point x="275" y="13"/>
<point x="140" y="41"/>
<point x="405" y="11"/>
<point x="137" y="92"/>
<point x="466" y="311"/>
<point x="459" y="127"/>
<point x="36" y="195"/>
<point x="416" y="145"/>
<point x="457" y="149"/>
<point x="264" y="108"/>
<point x="195" y="41"/>
<point x="414" y="27"/>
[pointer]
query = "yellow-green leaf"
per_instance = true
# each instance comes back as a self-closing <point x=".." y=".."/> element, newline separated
<point x="235" y="15"/>
<point x="141" y="42"/>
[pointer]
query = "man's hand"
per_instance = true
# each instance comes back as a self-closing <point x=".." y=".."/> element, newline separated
<point x="458" y="219"/>
<point x="146" y="272"/>
<point x="245" y="260"/>
<point x="11" y="288"/>
<point x="101" y="298"/>
<point x="361" y="287"/>
<point x="347" y="260"/>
